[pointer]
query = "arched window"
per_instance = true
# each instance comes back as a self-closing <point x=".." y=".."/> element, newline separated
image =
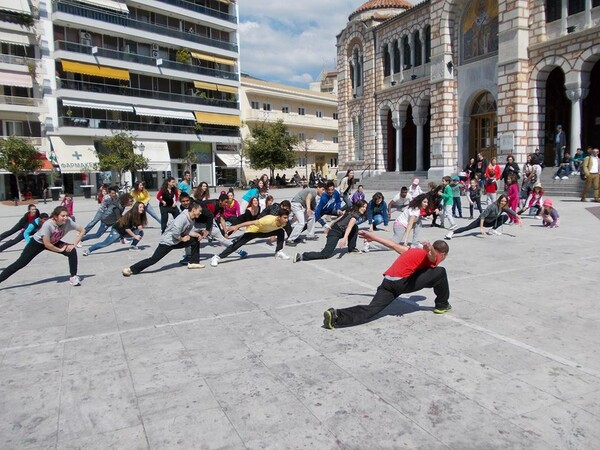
<point x="553" y="10"/>
<point x="406" y="52"/>
<point x="396" y="57"/>
<point x="427" y="44"/>
<point x="417" y="48"/>
<point x="387" y="61"/>
<point x="359" y="153"/>
<point x="356" y="67"/>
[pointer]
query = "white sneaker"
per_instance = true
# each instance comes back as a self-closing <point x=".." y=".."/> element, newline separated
<point x="195" y="266"/>
<point x="133" y="248"/>
<point x="557" y="177"/>
<point x="214" y="261"/>
<point x="449" y="235"/>
<point x="495" y="232"/>
<point x="75" y="280"/>
<point x="366" y="248"/>
<point x="86" y="253"/>
<point x="281" y="255"/>
<point x="127" y="272"/>
<point x="79" y="245"/>
<point x="565" y="178"/>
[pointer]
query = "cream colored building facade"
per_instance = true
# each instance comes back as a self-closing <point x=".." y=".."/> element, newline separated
<point x="309" y="114"/>
<point x="425" y="87"/>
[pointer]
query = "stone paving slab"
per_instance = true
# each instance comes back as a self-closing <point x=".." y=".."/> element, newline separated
<point x="236" y="357"/>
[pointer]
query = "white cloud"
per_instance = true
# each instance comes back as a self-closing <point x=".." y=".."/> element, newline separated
<point x="291" y="41"/>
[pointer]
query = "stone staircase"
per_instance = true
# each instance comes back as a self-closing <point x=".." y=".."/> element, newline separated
<point x="392" y="181"/>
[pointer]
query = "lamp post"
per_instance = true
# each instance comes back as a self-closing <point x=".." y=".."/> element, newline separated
<point x="142" y="147"/>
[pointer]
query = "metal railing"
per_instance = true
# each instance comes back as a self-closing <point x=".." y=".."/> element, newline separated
<point x="201" y="9"/>
<point x="142" y="93"/>
<point x="140" y="59"/>
<point x="20" y="60"/>
<point x="364" y="170"/>
<point x="19" y="101"/>
<point x="122" y="20"/>
<point x="124" y="125"/>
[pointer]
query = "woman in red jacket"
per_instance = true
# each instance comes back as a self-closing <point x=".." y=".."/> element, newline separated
<point x="492" y="175"/>
<point x="167" y="196"/>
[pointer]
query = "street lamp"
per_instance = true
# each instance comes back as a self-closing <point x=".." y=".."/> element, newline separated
<point x="142" y="147"/>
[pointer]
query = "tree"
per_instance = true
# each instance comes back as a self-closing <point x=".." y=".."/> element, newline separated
<point x="270" y="146"/>
<point x="19" y="157"/>
<point x="118" y="154"/>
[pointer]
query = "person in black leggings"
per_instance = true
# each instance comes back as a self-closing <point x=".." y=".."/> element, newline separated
<point x="167" y="196"/>
<point x="49" y="237"/>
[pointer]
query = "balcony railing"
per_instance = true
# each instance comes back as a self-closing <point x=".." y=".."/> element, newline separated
<point x="19" y="60"/>
<point x="142" y="93"/>
<point x="140" y="59"/>
<point x="201" y="9"/>
<point x="35" y="141"/>
<point x="19" y="101"/>
<point x="123" y="20"/>
<point x="122" y="125"/>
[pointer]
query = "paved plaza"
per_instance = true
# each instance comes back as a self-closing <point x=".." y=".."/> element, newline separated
<point x="236" y="356"/>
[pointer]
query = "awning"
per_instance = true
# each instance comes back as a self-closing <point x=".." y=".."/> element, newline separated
<point x="12" y="38"/>
<point x="94" y="105"/>
<point x="168" y="113"/>
<point x="217" y="119"/>
<point x="17" y="79"/>
<point x="229" y="159"/>
<point x="215" y="59"/>
<point x="18" y="6"/>
<point x="46" y="165"/>
<point x="157" y="153"/>
<point x="95" y="70"/>
<point x="75" y="154"/>
<point x="215" y="87"/>
<point x="108" y="4"/>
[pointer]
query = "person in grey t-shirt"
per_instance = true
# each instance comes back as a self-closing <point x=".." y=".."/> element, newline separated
<point x="180" y="233"/>
<point x="303" y="206"/>
<point x="49" y="237"/>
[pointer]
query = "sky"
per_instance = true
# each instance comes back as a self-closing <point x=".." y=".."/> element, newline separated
<point x="291" y="41"/>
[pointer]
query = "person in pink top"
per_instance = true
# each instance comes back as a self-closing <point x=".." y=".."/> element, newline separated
<point x="512" y="193"/>
<point x="67" y="202"/>
<point x="232" y="207"/>
<point x="492" y="175"/>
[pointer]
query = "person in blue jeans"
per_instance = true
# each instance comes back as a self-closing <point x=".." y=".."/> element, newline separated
<point x="377" y="212"/>
<point x="129" y="226"/>
<point x="107" y="201"/>
<point x="330" y="203"/>
<point x="564" y="170"/>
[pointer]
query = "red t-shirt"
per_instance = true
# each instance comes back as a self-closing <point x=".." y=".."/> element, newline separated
<point x="409" y="262"/>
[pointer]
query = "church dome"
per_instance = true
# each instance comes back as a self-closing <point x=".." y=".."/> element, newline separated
<point x="397" y="6"/>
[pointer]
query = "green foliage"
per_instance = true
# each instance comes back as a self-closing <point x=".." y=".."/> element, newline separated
<point x="270" y="146"/>
<point x="18" y="156"/>
<point x="183" y="56"/>
<point x="118" y="154"/>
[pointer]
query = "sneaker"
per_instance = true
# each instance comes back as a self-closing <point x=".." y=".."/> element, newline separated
<point x="243" y="254"/>
<point x="297" y="258"/>
<point x="291" y="243"/>
<point x="127" y="272"/>
<point x="565" y="178"/>
<point x="442" y="310"/>
<point x="281" y="255"/>
<point x="86" y="253"/>
<point x="312" y="238"/>
<point x="449" y="235"/>
<point x="134" y="248"/>
<point x="452" y="227"/>
<point x="355" y="251"/>
<point x="214" y="261"/>
<point x="366" y="248"/>
<point x="557" y="177"/>
<point x="75" y="280"/>
<point x="79" y="245"/>
<point x="495" y="232"/>
<point x="329" y="318"/>
<point x="196" y="266"/>
<point x="184" y="261"/>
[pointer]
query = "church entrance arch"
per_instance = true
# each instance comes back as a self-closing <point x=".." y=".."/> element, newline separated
<point x="558" y="112"/>
<point x="483" y="129"/>
<point x="590" y="133"/>
<point x="409" y="142"/>
<point x="390" y="142"/>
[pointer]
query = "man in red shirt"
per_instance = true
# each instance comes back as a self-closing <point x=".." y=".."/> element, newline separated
<point x="413" y="270"/>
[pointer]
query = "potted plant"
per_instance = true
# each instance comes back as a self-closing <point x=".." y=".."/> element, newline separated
<point x="183" y="56"/>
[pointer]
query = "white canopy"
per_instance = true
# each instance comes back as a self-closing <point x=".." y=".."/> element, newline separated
<point x="95" y="105"/>
<point x="168" y="113"/>
<point x="75" y="154"/>
<point x="158" y="154"/>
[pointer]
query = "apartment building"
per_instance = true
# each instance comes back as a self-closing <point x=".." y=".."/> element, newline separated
<point x="21" y="105"/>
<point x="165" y="71"/>
<point x="309" y="114"/>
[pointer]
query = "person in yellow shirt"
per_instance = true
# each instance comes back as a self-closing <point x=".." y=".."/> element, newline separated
<point x="264" y="227"/>
<point x="140" y="194"/>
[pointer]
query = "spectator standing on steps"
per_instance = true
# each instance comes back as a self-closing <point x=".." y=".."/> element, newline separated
<point x="560" y="143"/>
<point x="590" y="170"/>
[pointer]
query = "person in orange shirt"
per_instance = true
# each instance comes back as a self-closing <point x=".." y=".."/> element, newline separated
<point x="413" y="270"/>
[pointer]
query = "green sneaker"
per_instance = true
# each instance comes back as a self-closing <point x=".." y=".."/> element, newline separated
<point x="442" y="310"/>
<point x="329" y="318"/>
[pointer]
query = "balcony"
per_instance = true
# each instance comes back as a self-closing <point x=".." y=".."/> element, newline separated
<point x="141" y="93"/>
<point x="17" y="60"/>
<point x="201" y="9"/>
<point x="135" y="58"/>
<point x="123" y="20"/>
<point x="292" y="119"/>
<point x="121" y="125"/>
<point x="19" y="101"/>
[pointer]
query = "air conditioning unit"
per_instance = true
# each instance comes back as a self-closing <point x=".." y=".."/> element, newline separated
<point x="85" y="35"/>
<point x="154" y="47"/>
<point x="155" y="54"/>
<point x="86" y="42"/>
